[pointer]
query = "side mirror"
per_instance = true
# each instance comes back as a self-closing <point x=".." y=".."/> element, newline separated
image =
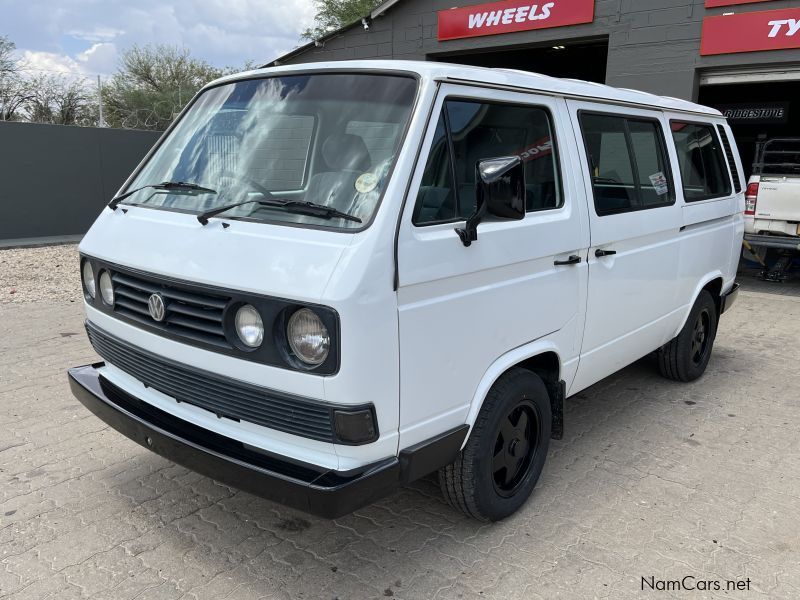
<point x="499" y="191"/>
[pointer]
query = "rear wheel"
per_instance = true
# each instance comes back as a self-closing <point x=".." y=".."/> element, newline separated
<point x="501" y="463"/>
<point x="686" y="357"/>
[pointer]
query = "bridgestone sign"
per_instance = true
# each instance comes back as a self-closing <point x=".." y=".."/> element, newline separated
<point x="772" y="112"/>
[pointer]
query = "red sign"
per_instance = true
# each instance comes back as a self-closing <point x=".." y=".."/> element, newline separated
<point x="751" y="32"/>
<point x="512" y="15"/>
<point x="539" y="149"/>
<point x="716" y="3"/>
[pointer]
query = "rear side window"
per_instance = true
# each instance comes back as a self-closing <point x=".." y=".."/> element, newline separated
<point x="701" y="160"/>
<point x="627" y="163"/>
<point x="726" y="145"/>
<point x="470" y="131"/>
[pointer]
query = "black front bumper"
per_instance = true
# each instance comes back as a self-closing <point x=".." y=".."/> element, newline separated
<point x="306" y="487"/>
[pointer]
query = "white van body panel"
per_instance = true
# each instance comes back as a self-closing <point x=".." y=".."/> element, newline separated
<point x="550" y="344"/>
<point x="462" y="309"/>
<point x="632" y="298"/>
<point x="244" y="256"/>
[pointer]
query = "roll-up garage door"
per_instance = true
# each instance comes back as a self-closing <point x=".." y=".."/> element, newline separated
<point x="751" y="75"/>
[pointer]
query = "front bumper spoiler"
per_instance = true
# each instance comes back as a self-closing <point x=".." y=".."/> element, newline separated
<point x="309" y="488"/>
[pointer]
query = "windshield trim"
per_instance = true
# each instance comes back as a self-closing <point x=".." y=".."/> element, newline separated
<point x="299" y="72"/>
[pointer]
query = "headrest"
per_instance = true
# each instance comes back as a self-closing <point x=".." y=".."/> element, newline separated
<point x="346" y="152"/>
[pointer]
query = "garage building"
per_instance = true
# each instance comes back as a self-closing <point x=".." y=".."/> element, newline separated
<point x="741" y="56"/>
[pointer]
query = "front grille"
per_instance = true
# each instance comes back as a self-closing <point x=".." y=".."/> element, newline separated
<point x="225" y="397"/>
<point x="193" y="315"/>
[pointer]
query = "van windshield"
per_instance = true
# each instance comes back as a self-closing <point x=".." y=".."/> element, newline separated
<point x="328" y="138"/>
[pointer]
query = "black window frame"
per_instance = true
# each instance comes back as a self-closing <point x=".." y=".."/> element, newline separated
<point x="443" y="112"/>
<point x="723" y="161"/>
<point x="727" y="147"/>
<point x="626" y="117"/>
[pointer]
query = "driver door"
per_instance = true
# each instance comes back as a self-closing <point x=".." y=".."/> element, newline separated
<point x="462" y="308"/>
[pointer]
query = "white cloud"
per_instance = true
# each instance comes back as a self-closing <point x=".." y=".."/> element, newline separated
<point x="86" y="36"/>
<point x="49" y="62"/>
<point x="97" y="34"/>
<point x="100" y="58"/>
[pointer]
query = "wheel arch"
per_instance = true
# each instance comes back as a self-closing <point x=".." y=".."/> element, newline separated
<point x="713" y="282"/>
<point x="542" y="358"/>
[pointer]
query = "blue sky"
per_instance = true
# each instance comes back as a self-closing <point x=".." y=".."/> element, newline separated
<point x="84" y="37"/>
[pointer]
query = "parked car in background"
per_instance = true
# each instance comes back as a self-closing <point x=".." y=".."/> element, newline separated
<point x="328" y="280"/>
<point x="772" y="205"/>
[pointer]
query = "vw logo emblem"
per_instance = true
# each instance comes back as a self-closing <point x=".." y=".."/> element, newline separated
<point x="156" y="307"/>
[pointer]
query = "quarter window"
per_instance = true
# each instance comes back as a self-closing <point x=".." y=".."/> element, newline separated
<point x="701" y="160"/>
<point x="627" y="162"/>
<point x="468" y="132"/>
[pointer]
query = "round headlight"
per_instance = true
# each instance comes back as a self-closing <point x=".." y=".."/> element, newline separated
<point x="308" y="337"/>
<point x="106" y="288"/>
<point x="249" y="326"/>
<point x="88" y="279"/>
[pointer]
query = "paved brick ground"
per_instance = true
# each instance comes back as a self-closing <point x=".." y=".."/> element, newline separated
<point x="653" y="479"/>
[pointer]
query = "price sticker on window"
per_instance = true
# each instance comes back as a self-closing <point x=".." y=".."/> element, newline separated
<point x="660" y="183"/>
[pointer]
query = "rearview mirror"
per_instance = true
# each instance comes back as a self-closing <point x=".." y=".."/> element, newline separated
<point x="499" y="191"/>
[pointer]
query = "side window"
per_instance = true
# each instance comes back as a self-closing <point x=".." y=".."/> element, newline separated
<point x="701" y="160"/>
<point x="726" y="145"/>
<point x="627" y="162"/>
<point x="469" y="131"/>
<point x="436" y="197"/>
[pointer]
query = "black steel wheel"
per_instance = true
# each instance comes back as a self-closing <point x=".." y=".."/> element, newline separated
<point x="515" y="447"/>
<point x="700" y="337"/>
<point x="504" y="456"/>
<point x="686" y="357"/>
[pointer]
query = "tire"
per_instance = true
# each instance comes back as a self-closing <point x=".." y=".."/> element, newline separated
<point x="499" y="466"/>
<point x="686" y="357"/>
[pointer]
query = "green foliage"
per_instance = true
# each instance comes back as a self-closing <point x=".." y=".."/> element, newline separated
<point x="152" y="85"/>
<point x="335" y="14"/>
<point x="61" y="101"/>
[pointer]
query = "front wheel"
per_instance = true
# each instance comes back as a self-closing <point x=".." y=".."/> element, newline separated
<point x="686" y="357"/>
<point x="499" y="466"/>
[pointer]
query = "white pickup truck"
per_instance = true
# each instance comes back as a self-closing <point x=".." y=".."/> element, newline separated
<point x="772" y="200"/>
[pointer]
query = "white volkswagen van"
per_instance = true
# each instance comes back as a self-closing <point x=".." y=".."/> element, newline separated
<point x="329" y="280"/>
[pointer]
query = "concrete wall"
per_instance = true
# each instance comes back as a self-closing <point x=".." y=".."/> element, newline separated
<point x="654" y="45"/>
<point x="55" y="180"/>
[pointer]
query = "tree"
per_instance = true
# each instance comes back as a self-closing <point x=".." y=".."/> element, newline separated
<point x="14" y="91"/>
<point x="152" y="84"/>
<point x="8" y="63"/>
<point x="61" y="101"/>
<point x="335" y="14"/>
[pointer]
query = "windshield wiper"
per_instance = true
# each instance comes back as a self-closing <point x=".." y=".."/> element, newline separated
<point x="178" y="186"/>
<point x="293" y="206"/>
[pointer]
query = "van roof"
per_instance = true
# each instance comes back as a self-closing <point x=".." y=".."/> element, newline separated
<point x="501" y="77"/>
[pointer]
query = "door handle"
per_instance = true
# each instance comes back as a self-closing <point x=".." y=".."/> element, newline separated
<point x="572" y="260"/>
<point x="601" y="253"/>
